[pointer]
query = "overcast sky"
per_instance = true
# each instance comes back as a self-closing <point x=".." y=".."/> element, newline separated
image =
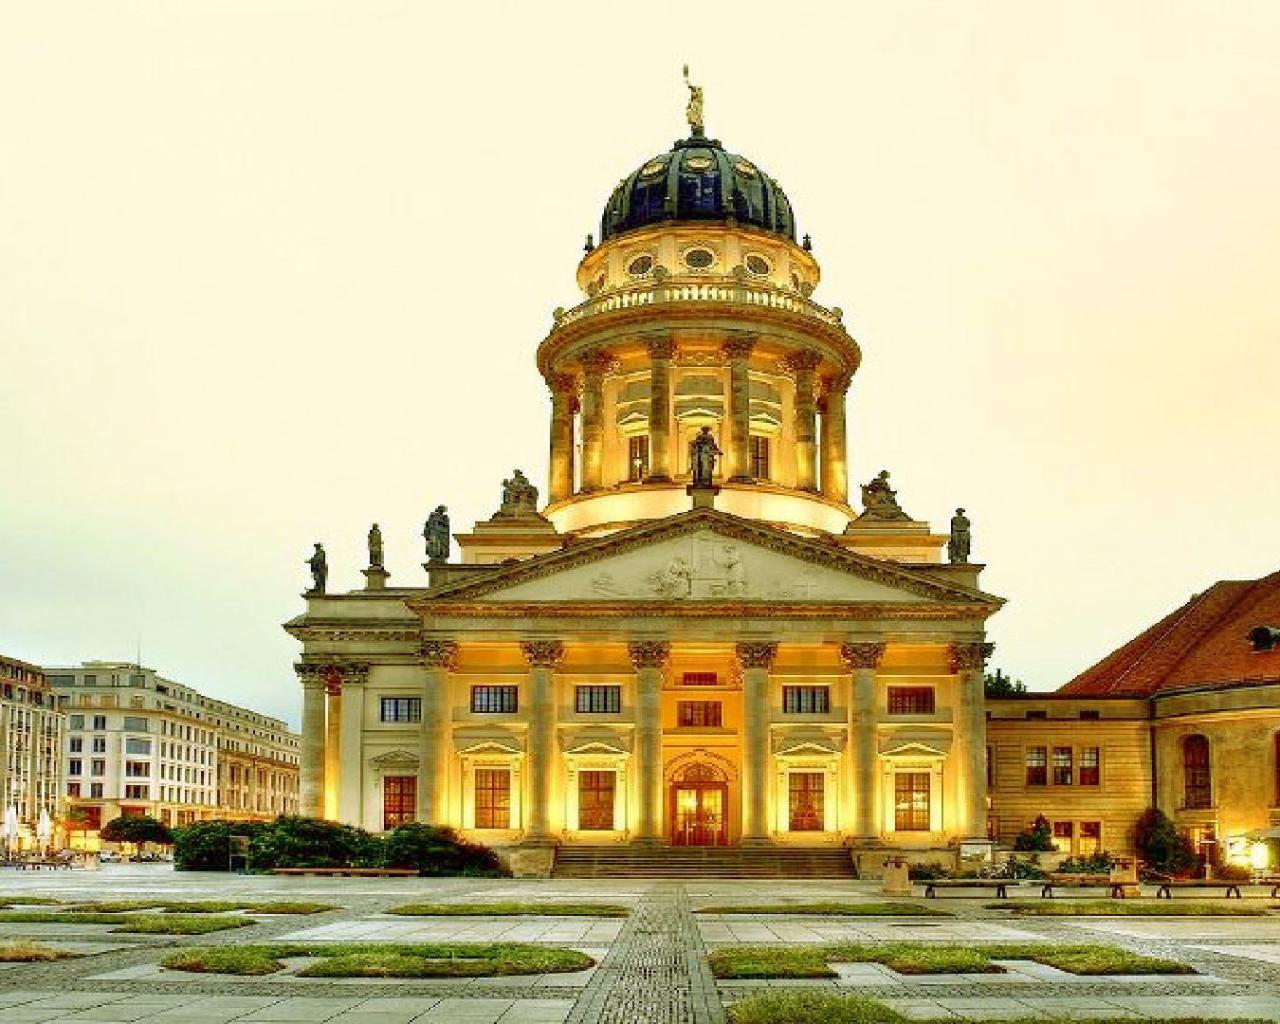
<point x="270" y="271"/>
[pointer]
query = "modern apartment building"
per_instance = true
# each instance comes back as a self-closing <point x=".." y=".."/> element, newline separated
<point x="32" y="734"/>
<point x="138" y="743"/>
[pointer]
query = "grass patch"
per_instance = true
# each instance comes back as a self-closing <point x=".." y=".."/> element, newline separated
<point x="1128" y="908"/>
<point x="383" y="960"/>
<point x="31" y="953"/>
<point x="822" y="1008"/>
<point x="138" y="924"/>
<point x="200" y="906"/>
<point x="510" y="910"/>
<point x="32" y="901"/>
<point x="919" y="958"/>
<point x="830" y="909"/>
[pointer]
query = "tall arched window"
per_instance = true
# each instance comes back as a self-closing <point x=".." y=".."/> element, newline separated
<point x="1196" y="776"/>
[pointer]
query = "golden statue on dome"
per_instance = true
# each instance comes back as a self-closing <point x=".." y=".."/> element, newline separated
<point x="693" y="112"/>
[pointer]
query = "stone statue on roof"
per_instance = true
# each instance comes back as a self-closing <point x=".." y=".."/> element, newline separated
<point x="436" y="534"/>
<point x="703" y="451"/>
<point x="375" y="547"/>
<point x="959" y="544"/>
<point x="693" y="112"/>
<point x="879" y="500"/>
<point x="319" y="569"/>
<point x="519" y="497"/>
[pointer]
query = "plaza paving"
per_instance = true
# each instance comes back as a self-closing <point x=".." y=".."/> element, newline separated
<point x="651" y="967"/>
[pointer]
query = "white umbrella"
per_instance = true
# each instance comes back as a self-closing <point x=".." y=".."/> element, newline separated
<point x="44" y="828"/>
<point x="11" y="825"/>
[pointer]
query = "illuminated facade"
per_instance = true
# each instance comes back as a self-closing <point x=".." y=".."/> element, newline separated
<point x="643" y="662"/>
<point x="31" y="735"/>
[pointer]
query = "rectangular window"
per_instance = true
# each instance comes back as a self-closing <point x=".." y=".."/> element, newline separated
<point x="1062" y="766"/>
<point x="1090" y="761"/>
<point x="806" y="700"/>
<point x="1090" y="715"/>
<point x="137" y="792"/>
<point x="402" y="709"/>
<point x="75" y="722"/>
<point x="137" y="769"/>
<point x="99" y="721"/>
<point x="597" y="700"/>
<point x="806" y="801"/>
<point x="95" y="791"/>
<point x="76" y="744"/>
<point x="695" y="714"/>
<point x="73" y="789"/>
<point x="99" y="744"/>
<point x="132" y="746"/>
<point x="493" y="797"/>
<point x="495" y="700"/>
<point x="399" y="799"/>
<point x="1037" y="766"/>
<point x="700" y="679"/>
<point x="638" y="457"/>
<point x="595" y="800"/>
<point x="911" y="801"/>
<point x="911" y="700"/>
<point x="99" y="767"/>
<point x="1062" y="832"/>
<point x="135" y="724"/>
<point x="759" y="457"/>
<point x="75" y="766"/>
<point x="1090" y="838"/>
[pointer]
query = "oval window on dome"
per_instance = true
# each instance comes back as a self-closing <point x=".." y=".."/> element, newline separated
<point x="758" y="265"/>
<point x="699" y="258"/>
<point x="699" y="163"/>
<point x="640" y="266"/>
<point x="744" y="168"/>
<point x="651" y="168"/>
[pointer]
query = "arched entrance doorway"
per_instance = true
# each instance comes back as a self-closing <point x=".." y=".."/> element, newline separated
<point x="699" y="806"/>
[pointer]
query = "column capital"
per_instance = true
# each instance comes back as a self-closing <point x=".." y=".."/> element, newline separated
<point x="862" y="654"/>
<point x="562" y="384"/>
<point x="966" y="657"/>
<point x="439" y="654"/>
<point x="542" y="653"/>
<point x="756" y="654"/>
<point x="836" y="384"/>
<point x="804" y="360"/>
<point x="739" y="347"/>
<point x="649" y="653"/>
<point x="354" y="673"/>
<point x="661" y="346"/>
<point x="309" y="674"/>
<point x="596" y="361"/>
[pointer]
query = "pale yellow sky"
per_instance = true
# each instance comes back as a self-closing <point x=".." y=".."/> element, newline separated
<point x="272" y="270"/>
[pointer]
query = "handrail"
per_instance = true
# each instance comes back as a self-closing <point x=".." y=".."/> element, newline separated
<point x="698" y="289"/>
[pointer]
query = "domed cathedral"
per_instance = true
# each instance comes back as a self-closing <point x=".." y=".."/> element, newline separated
<point x="696" y="641"/>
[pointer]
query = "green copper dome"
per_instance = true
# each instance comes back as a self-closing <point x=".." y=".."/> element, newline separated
<point x="697" y="181"/>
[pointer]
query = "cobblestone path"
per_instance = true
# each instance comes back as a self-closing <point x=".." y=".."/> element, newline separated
<point x="656" y="971"/>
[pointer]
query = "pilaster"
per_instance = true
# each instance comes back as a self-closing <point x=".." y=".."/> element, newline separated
<point x="650" y="659"/>
<point x="543" y="657"/>
<point x="737" y="444"/>
<point x="804" y="364"/>
<point x="564" y="403"/>
<point x="351" y="745"/>
<point x="967" y="663"/>
<point x="594" y="365"/>
<point x="755" y="659"/>
<point x="835" y="451"/>
<point x="311" y="773"/>
<point x="862" y="659"/>
<point x="661" y="352"/>
<point x="440" y="659"/>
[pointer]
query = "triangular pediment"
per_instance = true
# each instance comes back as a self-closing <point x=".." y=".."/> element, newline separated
<point x="707" y="556"/>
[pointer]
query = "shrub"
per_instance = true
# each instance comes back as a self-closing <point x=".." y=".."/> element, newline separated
<point x="137" y="829"/>
<point x="295" y="842"/>
<point x="927" y="872"/>
<point x="1097" y="864"/>
<point x="206" y="845"/>
<point x="1160" y="845"/>
<point x="1232" y="872"/>
<point x="1038" y="836"/>
<point x="437" y="850"/>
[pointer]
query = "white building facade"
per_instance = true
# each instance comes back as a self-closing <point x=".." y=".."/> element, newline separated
<point x="32" y="733"/>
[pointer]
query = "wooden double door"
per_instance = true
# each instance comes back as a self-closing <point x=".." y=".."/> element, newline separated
<point x="699" y="814"/>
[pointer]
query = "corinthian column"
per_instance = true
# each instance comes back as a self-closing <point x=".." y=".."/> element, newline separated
<point x="332" y="740"/>
<point x="806" y="425"/>
<point x="737" y="442"/>
<point x="543" y="656"/>
<point x="967" y="661"/>
<point x="862" y="659"/>
<point x="351" y="745"/>
<point x="593" y="367"/>
<point x="755" y="660"/>
<point x="835" y="452"/>
<point x="440" y="657"/>
<point x="311" y="763"/>
<point x="564" y="401"/>
<point x="650" y="659"/>
<point x="661" y="352"/>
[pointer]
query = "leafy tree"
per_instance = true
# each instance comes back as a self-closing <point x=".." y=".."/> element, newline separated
<point x="997" y="684"/>
<point x="206" y="845"/>
<point x="296" y="842"/>
<point x="1161" y="845"/>
<point x="1037" y="836"/>
<point x="437" y="850"/>
<point x="137" y="829"/>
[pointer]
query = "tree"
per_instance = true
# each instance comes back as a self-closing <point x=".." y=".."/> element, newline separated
<point x="997" y="684"/>
<point x="1037" y="836"/>
<point x="1159" y="843"/>
<point x="137" y="829"/>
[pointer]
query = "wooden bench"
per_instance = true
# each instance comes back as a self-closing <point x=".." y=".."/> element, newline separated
<point x="1273" y="882"/>
<point x="1067" y="880"/>
<point x="360" y="872"/>
<point x="1164" y="888"/>
<point x="1000" y="885"/>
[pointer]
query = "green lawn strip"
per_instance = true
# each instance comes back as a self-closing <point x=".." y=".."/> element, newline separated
<point x="200" y="906"/>
<point x="1128" y="908"/>
<point x="29" y="901"/>
<point x="824" y="1008"/>
<point x="142" y="924"/>
<point x="831" y="909"/>
<point x="386" y="960"/>
<point x="918" y="958"/>
<point x="510" y="910"/>
<point x="31" y="952"/>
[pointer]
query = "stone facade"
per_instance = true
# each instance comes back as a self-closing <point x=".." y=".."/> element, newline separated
<point x="32" y="730"/>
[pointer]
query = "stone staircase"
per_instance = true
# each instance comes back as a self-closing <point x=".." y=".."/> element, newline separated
<point x="702" y="862"/>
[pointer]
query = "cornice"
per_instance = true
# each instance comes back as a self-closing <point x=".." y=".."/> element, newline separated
<point x="782" y="611"/>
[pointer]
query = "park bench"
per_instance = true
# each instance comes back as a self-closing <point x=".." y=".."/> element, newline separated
<point x="36" y="865"/>
<point x="357" y="872"/>
<point x="1066" y="880"/>
<point x="1165" y="887"/>
<point x="1000" y="885"/>
<point x="1274" y="882"/>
